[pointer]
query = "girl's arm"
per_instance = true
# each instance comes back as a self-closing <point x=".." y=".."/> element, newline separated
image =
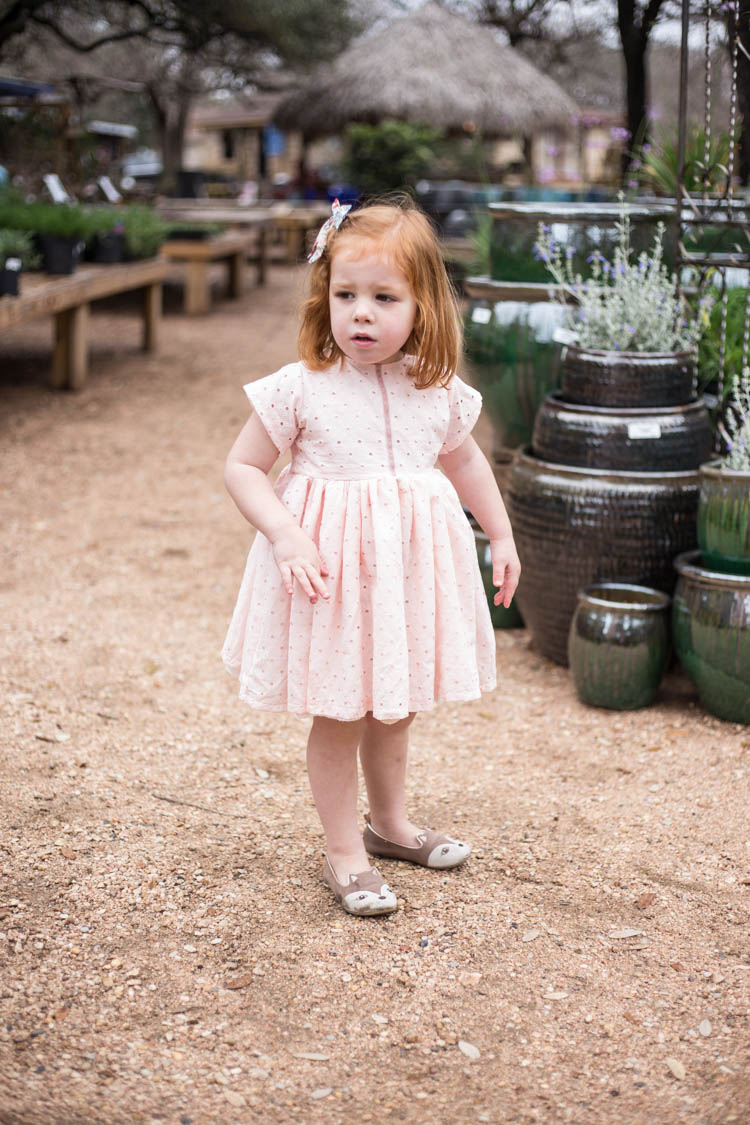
<point x="250" y="459"/>
<point x="471" y="475"/>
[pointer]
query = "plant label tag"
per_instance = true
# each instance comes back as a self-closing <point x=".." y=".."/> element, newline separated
<point x="645" y="429"/>
<point x="13" y="264"/>
<point x="481" y="314"/>
<point x="564" y="336"/>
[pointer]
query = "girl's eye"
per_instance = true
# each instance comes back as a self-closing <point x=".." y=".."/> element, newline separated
<point x="385" y="297"/>
<point x="342" y="293"/>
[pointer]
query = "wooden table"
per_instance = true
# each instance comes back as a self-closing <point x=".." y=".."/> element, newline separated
<point x="293" y="221"/>
<point x="231" y="248"/>
<point x="68" y="300"/>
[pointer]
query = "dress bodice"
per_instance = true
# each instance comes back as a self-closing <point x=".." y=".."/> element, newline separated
<point x="353" y="422"/>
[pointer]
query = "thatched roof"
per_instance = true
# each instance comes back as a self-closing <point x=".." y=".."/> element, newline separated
<point x="430" y="67"/>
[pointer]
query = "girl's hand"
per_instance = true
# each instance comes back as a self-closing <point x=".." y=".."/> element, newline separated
<point x="297" y="557"/>
<point x="506" y="569"/>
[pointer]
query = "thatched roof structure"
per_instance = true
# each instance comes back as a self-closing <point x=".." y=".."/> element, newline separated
<point x="430" y="67"/>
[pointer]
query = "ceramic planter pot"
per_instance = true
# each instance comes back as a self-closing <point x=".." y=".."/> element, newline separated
<point x="724" y="518"/>
<point x="501" y="617"/>
<point x="107" y="248"/>
<point x="618" y="645"/>
<point x="604" y="378"/>
<point x="711" y="634"/>
<point x="576" y="526"/>
<point x="515" y="361"/>
<point x="635" y="439"/>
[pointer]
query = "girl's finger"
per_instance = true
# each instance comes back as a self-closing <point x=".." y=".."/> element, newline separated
<point x="301" y="575"/>
<point x="319" y="584"/>
<point x="286" y="577"/>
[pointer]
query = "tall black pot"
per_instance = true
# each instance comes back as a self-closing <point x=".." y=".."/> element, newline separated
<point x="60" y="254"/>
<point x="576" y="526"/>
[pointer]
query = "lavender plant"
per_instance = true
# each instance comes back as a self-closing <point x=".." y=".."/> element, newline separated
<point x="625" y="305"/>
<point x="737" y="424"/>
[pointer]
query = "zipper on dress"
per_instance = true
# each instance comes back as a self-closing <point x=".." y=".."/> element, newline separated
<point x="387" y="417"/>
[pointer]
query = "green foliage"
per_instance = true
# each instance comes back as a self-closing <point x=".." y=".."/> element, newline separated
<point x="625" y="305"/>
<point x="143" y="229"/>
<point x="655" y="164"/>
<point x="390" y="156"/>
<point x="737" y="421"/>
<point x="17" y="244"/>
<point x="63" y="220"/>
<point x="710" y="345"/>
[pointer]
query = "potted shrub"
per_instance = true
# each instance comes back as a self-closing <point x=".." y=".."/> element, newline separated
<point x="16" y="253"/>
<point x="61" y="233"/>
<point x="107" y="246"/>
<point x="633" y="340"/>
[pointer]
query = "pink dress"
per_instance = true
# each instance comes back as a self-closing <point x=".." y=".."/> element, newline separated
<point x="407" y="623"/>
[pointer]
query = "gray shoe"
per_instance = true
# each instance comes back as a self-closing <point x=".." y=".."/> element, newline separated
<point x="432" y="849"/>
<point x="364" y="894"/>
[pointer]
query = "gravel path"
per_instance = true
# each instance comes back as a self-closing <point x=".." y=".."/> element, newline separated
<point x="168" y="951"/>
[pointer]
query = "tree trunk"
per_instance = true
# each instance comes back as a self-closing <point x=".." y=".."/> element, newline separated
<point x="636" y="85"/>
<point x="743" y="86"/>
<point x="171" y="120"/>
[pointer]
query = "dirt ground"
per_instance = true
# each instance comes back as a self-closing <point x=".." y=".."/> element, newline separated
<point x="168" y="951"/>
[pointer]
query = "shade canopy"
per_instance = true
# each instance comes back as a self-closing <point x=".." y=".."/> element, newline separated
<point x="431" y="67"/>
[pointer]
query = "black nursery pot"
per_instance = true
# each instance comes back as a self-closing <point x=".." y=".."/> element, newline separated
<point x="9" y="282"/>
<point x="59" y="254"/>
<point x="108" y="248"/>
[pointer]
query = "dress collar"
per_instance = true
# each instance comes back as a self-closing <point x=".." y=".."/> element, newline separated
<point x="401" y="364"/>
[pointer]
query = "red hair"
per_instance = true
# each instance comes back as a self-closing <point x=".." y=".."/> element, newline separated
<point x="402" y="233"/>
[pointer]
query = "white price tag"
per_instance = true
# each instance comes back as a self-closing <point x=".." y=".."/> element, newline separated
<point x="644" y="429"/>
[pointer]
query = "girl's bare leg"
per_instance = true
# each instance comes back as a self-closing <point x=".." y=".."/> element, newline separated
<point x="332" y="769"/>
<point x="383" y="751"/>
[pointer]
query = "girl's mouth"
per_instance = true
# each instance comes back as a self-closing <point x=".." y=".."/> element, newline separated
<point x="362" y="338"/>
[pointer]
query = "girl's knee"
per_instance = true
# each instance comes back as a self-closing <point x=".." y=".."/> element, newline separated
<point x="374" y="724"/>
<point x="335" y="730"/>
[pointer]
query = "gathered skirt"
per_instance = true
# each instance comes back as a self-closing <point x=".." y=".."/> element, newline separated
<point x="407" y="623"/>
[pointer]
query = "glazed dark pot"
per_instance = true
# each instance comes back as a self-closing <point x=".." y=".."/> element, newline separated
<point x="635" y="439"/>
<point x="603" y="378"/>
<point x="576" y="526"/>
<point x="724" y="518"/>
<point x="501" y="617"/>
<point x="711" y="633"/>
<point x="107" y="248"/>
<point x="618" y="645"/>
<point x="9" y="282"/>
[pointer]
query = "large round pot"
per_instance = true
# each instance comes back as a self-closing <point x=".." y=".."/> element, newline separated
<point x="582" y="227"/>
<point x="604" y="378"/>
<point x="515" y="361"/>
<point x="576" y="526"/>
<point x="724" y="518"/>
<point x="634" y="439"/>
<point x="711" y="633"/>
<point x="618" y="645"/>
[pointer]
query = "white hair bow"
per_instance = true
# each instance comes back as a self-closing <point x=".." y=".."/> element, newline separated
<point x="333" y="222"/>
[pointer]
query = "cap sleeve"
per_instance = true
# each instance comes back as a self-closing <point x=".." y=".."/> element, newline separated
<point x="465" y="406"/>
<point x="277" y="400"/>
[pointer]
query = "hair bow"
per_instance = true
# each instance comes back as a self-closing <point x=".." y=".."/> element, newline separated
<point x="333" y="222"/>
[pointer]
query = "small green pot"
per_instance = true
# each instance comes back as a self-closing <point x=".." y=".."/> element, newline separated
<point x="501" y="617"/>
<point x="724" y="518"/>
<point x="711" y="633"/>
<point x="618" y="645"/>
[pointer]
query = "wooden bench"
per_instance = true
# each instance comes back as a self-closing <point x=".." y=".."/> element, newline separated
<point x="232" y="248"/>
<point x="68" y="300"/>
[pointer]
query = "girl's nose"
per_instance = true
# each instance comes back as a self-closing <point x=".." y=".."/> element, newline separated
<point x="362" y="310"/>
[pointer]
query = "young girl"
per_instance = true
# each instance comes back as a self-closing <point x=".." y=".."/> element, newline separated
<point x="362" y="601"/>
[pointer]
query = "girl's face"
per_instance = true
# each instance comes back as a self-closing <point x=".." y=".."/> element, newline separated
<point x="371" y="305"/>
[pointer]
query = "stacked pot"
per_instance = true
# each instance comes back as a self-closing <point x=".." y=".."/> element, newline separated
<point x="608" y="491"/>
<point x="711" y="610"/>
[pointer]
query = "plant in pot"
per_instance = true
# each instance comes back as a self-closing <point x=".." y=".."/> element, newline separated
<point x="144" y="232"/>
<point x="61" y="232"/>
<point x="107" y="246"/>
<point x="16" y="253"/>
<point x="609" y="488"/>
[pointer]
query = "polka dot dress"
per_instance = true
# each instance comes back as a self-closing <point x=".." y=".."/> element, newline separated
<point x="407" y="623"/>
